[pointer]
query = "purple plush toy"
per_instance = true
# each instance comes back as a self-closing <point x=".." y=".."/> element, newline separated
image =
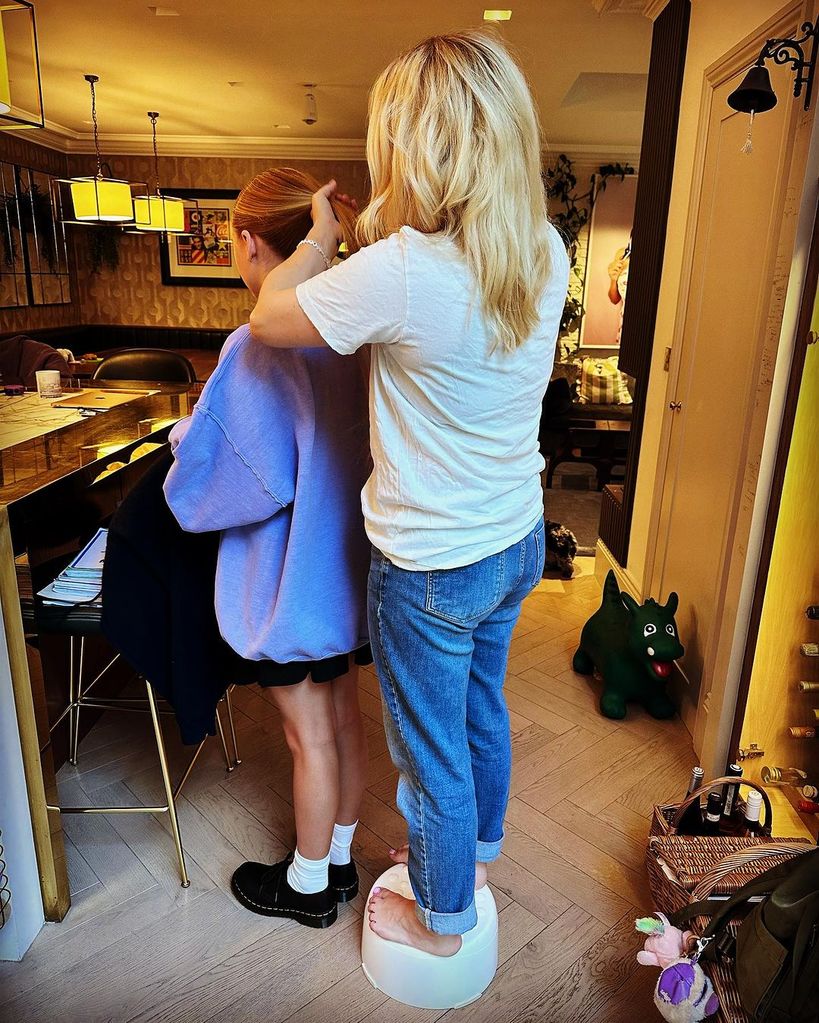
<point x="684" y="994"/>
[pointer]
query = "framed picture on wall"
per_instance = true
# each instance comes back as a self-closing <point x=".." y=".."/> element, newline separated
<point x="607" y="260"/>
<point x="202" y="256"/>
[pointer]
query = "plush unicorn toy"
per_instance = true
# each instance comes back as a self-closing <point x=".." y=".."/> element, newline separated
<point x="683" y="993"/>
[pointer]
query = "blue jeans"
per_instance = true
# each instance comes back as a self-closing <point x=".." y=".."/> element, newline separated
<point x="440" y="642"/>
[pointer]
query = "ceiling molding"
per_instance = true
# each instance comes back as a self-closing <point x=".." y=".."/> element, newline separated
<point x="65" y="140"/>
<point x="647" y="8"/>
<point x="586" y="155"/>
<point x="654" y="8"/>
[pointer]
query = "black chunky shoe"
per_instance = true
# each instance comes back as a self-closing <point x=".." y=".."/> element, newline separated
<point x="344" y="881"/>
<point x="263" y="889"/>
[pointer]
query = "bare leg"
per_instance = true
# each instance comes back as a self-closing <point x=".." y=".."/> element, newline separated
<point x="351" y="745"/>
<point x="401" y="855"/>
<point x="309" y="727"/>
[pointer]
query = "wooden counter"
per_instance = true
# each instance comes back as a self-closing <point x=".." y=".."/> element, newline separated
<point x="53" y="498"/>
<point x="42" y="440"/>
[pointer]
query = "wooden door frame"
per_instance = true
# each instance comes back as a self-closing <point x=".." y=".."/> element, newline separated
<point x="718" y="647"/>
<point x="666" y="72"/>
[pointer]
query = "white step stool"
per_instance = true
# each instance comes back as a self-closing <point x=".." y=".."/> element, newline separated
<point x="427" y="981"/>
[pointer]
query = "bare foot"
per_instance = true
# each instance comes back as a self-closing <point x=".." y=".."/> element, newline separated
<point x="393" y="918"/>
<point x="401" y="855"/>
<point x="481" y="872"/>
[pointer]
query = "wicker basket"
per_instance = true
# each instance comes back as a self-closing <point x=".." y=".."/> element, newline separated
<point x="720" y="970"/>
<point x="677" y="863"/>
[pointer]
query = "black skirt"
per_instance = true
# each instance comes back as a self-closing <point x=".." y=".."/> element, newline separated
<point x="271" y="673"/>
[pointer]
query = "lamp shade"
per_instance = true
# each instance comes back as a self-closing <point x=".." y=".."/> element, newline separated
<point x="102" y="199"/>
<point x="754" y="93"/>
<point x="159" y="213"/>
<point x="5" y="87"/>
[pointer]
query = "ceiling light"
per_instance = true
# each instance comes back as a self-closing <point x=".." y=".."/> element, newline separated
<point x="158" y="212"/>
<point x="497" y="15"/>
<point x="98" y="199"/>
<point x="102" y="199"/>
<point x="21" y="92"/>
<point x="310" y="109"/>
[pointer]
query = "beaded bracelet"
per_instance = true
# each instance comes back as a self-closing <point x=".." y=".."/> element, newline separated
<point x="318" y="248"/>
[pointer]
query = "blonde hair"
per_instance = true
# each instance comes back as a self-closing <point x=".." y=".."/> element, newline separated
<point x="453" y="145"/>
<point x="275" y="205"/>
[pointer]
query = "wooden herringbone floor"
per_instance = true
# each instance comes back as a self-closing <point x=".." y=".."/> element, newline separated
<point x="137" y="947"/>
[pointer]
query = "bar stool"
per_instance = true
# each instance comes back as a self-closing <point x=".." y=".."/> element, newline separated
<point x="79" y="622"/>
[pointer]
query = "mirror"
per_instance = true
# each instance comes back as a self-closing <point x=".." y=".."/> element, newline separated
<point x="46" y="250"/>
<point x="33" y="249"/>
<point x="13" y="284"/>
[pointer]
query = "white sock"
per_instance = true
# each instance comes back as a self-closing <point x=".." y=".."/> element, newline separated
<point x="341" y="843"/>
<point x="308" y="876"/>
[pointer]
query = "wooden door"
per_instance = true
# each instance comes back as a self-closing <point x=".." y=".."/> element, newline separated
<point x="728" y="320"/>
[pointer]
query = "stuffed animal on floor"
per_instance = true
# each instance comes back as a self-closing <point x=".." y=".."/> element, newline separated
<point x="664" y="943"/>
<point x="683" y="993"/>
<point x="633" y="647"/>
<point x="561" y="548"/>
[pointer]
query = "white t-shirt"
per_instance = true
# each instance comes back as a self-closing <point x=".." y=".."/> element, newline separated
<point x="454" y="424"/>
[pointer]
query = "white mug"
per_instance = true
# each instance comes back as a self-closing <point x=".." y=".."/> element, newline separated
<point x="48" y="383"/>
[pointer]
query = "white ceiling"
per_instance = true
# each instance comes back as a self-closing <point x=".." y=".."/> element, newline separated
<point x="587" y="69"/>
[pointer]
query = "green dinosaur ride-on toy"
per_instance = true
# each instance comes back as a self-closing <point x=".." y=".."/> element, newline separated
<point x="633" y="647"/>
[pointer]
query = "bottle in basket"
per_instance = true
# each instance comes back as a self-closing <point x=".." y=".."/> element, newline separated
<point x="753" y="810"/>
<point x="731" y="792"/>
<point x="713" y="814"/>
<point x="691" y="820"/>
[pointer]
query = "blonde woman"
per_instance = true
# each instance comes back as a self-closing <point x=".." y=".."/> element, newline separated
<point x="274" y="456"/>
<point x="459" y="290"/>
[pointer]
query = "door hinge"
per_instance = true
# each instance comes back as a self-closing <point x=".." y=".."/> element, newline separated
<point x="751" y="753"/>
<point x="667" y="359"/>
<point x="675" y="406"/>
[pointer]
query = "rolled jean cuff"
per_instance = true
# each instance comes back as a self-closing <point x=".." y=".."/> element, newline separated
<point x="488" y="852"/>
<point x="448" y="923"/>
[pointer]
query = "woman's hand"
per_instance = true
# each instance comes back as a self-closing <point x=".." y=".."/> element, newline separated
<point x="326" y="230"/>
<point x="616" y="267"/>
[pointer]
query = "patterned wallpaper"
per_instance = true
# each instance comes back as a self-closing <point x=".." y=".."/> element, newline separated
<point x="134" y="294"/>
<point x="27" y="154"/>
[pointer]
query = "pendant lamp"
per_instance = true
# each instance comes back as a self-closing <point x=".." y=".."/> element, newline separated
<point x="21" y="91"/>
<point x="100" y="200"/>
<point x="158" y="212"/>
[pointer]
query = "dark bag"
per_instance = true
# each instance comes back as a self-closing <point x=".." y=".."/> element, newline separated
<point x="776" y="953"/>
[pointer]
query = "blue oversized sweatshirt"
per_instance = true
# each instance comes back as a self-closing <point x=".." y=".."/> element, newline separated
<point x="275" y="455"/>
